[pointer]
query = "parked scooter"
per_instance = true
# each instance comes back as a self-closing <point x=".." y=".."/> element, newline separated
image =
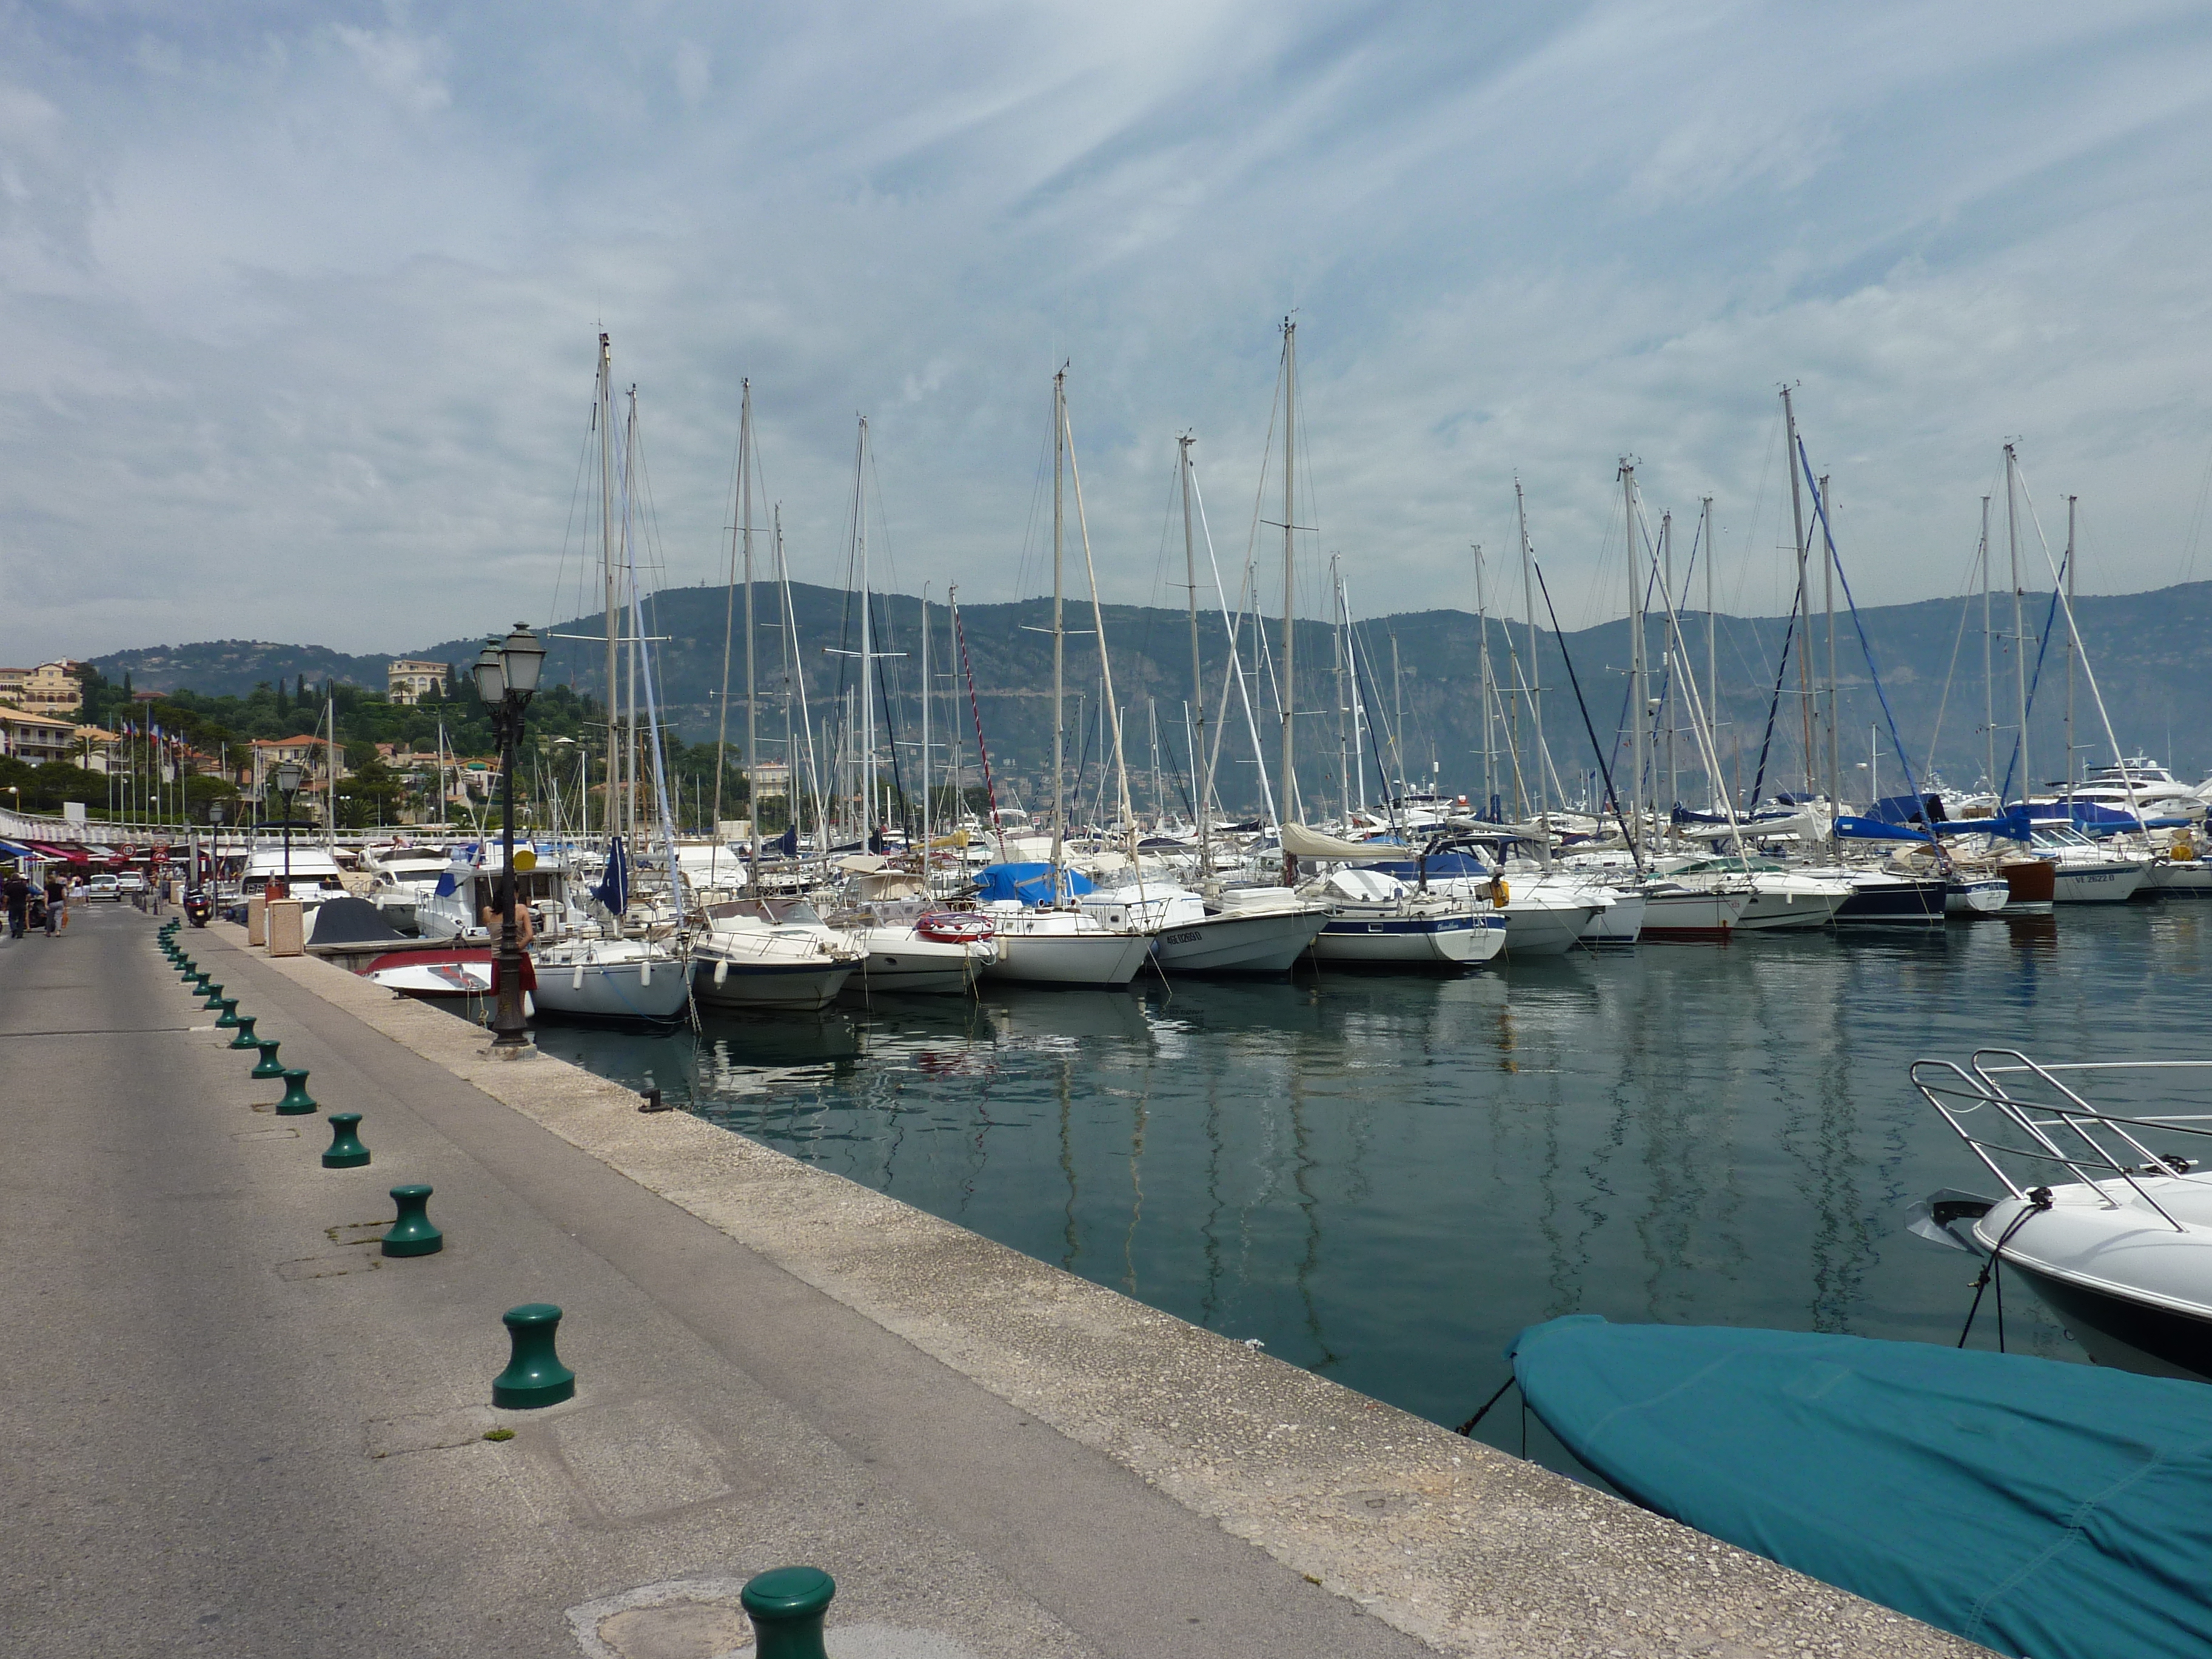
<point x="199" y="905"/>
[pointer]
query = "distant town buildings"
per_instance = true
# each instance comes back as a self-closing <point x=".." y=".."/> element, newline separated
<point x="411" y="681"/>
<point x="51" y="689"/>
<point x="36" y="739"/>
<point x="265" y="754"/>
<point x="771" y="780"/>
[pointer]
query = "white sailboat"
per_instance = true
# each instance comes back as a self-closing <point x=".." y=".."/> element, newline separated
<point x="1376" y="920"/>
<point x="595" y="970"/>
<point x="1218" y="930"/>
<point x="1054" y="939"/>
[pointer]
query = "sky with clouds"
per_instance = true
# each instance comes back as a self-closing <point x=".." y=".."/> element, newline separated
<point x="299" y="303"/>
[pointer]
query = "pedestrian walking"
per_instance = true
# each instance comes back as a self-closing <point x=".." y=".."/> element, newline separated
<point x="16" y="893"/>
<point x="56" y="905"/>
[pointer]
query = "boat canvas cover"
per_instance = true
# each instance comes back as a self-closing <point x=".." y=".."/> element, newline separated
<point x="1302" y="842"/>
<point x="1030" y="883"/>
<point x="352" y="922"/>
<point x="2039" y="1508"/>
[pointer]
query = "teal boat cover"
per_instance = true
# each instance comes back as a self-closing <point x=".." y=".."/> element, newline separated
<point x="2041" y="1509"/>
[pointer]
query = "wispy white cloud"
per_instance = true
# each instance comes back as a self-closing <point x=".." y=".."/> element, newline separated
<point x="302" y="300"/>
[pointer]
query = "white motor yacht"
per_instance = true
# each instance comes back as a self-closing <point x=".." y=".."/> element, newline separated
<point x="1236" y="930"/>
<point x="769" y="953"/>
<point x="2180" y="871"/>
<point x="2140" y="785"/>
<point x="2107" y="1214"/>
<point x="1620" y="922"/>
<point x="1376" y="920"/>
<point x="1046" y="945"/>
<point x="1662" y="910"/>
<point x="304" y="871"/>
<point x="2086" y="873"/>
<point x="400" y="877"/>
<point x="911" y="946"/>
<point x="1775" y="899"/>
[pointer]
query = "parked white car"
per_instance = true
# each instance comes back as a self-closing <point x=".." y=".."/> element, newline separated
<point x="104" y="887"/>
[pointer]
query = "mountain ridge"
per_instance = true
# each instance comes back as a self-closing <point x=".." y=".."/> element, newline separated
<point x="2150" y="652"/>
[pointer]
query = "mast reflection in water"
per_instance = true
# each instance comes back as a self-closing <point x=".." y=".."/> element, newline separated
<point x="1385" y="1178"/>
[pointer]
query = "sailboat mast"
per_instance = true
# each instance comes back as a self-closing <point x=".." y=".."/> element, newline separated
<point x="1290" y="568"/>
<point x="1197" y="739"/>
<point x="1059" y="633"/>
<point x="752" y="712"/>
<point x="1828" y="586"/>
<point x="1637" y="678"/>
<point x="1803" y="609"/>
<point x="924" y="739"/>
<point x="2072" y="644"/>
<point x="867" y="637"/>
<point x="1528" y="610"/>
<point x="1671" y="658"/>
<point x="2019" y="620"/>
<point x="729" y="611"/>
<point x="1989" y="667"/>
<point x="1159" y="798"/>
<point x="1397" y="719"/>
<point x="606" y="418"/>
<point x="631" y="770"/>
<point x="1336" y="648"/>
<point x="1482" y="677"/>
<point x="1712" y="659"/>
<point x="1359" y="703"/>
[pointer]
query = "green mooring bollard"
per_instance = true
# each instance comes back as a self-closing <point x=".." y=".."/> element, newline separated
<point x="228" y="1018"/>
<point x="412" y="1233"/>
<point x="787" y="1605"/>
<point x="213" y="994"/>
<point x="534" y="1376"/>
<point x="297" y="1102"/>
<point x="244" y="1036"/>
<point x="346" y="1151"/>
<point x="268" y="1065"/>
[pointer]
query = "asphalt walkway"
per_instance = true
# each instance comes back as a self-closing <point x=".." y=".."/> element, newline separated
<point x="229" y="1425"/>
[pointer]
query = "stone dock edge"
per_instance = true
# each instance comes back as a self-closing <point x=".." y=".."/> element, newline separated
<point x="1466" y="1548"/>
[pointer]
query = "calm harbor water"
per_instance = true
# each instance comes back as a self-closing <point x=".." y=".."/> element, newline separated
<point x="1384" y="1178"/>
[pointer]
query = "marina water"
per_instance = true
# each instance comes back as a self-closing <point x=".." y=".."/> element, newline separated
<point x="1384" y="1178"/>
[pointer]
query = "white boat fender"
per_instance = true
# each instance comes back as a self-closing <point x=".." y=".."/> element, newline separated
<point x="576" y="975"/>
<point x="721" y="972"/>
<point x="645" y="972"/>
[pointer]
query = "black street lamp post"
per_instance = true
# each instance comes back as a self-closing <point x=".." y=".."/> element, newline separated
<point x="507" y="678"/>
<point x="289" y="774"/>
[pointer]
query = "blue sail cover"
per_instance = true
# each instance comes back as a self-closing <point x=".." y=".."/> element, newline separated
<point x="1030" y="883"/>
<point x="1853" y="829"/>
<point x="1902" y="809"/>
<point x="613" y="889"/>
<point x="2039" y="1508"/>
<point x="1440" y="866"/>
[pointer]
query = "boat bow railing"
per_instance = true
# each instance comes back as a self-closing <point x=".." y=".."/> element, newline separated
<point x="2036" y="1118"/>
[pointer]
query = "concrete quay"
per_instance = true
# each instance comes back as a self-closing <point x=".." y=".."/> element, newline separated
<point x="232" y="1427"/>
